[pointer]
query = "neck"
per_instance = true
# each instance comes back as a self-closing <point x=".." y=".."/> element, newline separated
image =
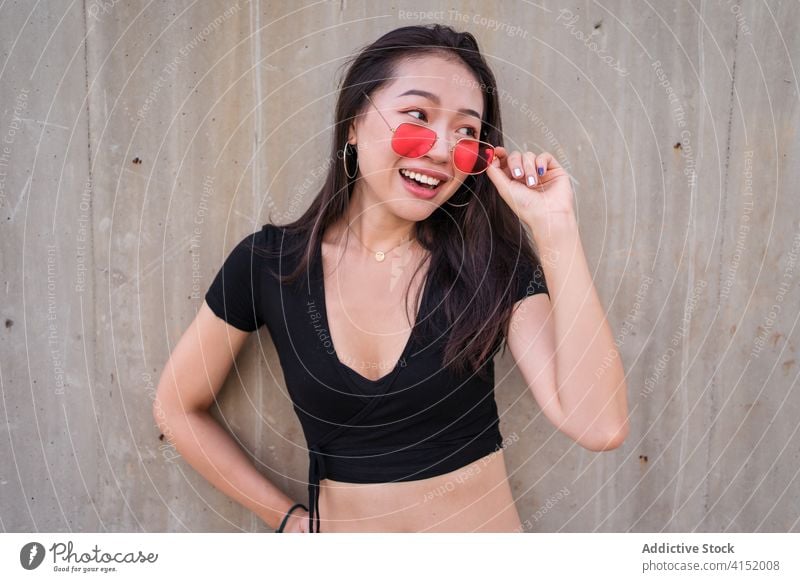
<point x="375" y="227"/>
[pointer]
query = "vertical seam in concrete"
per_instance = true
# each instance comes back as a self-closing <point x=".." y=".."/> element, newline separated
<point x="255" y="39"/>
<point x="686" y="319"/>
<point x="90" y="242"/>
<point x="724" y="209"/>
<point x="89" y="146"/>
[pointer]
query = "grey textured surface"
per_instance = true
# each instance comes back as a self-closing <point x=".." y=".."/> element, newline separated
<point x="139" y="142"/>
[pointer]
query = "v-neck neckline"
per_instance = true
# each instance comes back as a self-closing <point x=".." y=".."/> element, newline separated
<point x="320" y="289"/>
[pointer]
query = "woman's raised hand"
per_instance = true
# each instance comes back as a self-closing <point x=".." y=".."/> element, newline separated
<point x="536" y="187"/>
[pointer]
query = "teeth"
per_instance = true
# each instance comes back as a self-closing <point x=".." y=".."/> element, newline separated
<point x="421" y="178"/>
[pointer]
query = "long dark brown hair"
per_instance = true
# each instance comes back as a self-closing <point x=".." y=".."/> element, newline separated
<point x="475" y="250"/>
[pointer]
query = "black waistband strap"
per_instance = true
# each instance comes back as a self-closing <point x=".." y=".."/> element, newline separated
<point x="316" y="472"/>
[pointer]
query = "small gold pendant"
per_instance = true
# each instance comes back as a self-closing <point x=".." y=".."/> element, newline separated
<point x="379" y="256"/>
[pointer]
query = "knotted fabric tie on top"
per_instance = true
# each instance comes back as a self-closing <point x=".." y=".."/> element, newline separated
<point x="316" y="472"/>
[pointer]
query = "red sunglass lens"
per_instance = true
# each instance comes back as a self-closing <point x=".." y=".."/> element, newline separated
<point x="412" y="141"/>
<point x="472" y="156"/>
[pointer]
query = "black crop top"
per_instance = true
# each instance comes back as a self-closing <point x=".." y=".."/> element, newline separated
<point x="415" y="422"/>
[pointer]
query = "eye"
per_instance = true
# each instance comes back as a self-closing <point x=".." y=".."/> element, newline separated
<point x="472" y="132"/>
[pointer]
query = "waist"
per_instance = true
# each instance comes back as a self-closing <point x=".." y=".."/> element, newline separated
<point x="410" y="462"/>
<point x="469" y="498"/>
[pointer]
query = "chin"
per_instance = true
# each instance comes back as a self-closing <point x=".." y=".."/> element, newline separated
<point x="414" y="210"/>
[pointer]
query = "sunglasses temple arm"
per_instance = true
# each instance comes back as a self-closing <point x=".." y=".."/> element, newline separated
<point x="379" y="113"/>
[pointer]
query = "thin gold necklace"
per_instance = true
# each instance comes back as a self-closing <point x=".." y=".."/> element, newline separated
<point x="379" y="255"/>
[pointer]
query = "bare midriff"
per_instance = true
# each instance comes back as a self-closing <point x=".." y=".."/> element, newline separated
<point x="474" y="498"/>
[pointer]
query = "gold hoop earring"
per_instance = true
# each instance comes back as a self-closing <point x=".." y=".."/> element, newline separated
<point x="344" y="161"/>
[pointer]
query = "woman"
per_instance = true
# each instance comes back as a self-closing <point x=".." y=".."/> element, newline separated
<point x="395" y="397"/>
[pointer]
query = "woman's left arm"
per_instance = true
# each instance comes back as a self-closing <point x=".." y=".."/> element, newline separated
<point x="564" y="347"/>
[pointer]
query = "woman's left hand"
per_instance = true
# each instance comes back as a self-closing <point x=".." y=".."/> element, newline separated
<point x="550" y="195"/>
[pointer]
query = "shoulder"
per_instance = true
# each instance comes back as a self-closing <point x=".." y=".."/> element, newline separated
<point x="275" y="235"/>
<point x="279" y="248"/>
<point x="254" y="250"/>
<point x="269" y="237"/>
<point x="267" y="234"/>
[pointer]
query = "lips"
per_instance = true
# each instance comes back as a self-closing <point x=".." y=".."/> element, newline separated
<point x="417" y="189"/>
<point x="420" y="180"/>
<point x="432" y="173"/>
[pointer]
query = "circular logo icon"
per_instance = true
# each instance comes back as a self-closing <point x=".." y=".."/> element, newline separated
<point x="31" y="555"/>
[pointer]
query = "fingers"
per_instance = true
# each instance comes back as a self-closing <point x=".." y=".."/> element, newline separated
<point x="522" y="167"/>
<point x="501" y="155"/>
<point x="545" y="161"/>
<point x="501" y="161"/>
<point x="526" y="168"/>
<point x="516" y="166"/>
<point x="498" y="172"/>
<point x="529" y="161"/>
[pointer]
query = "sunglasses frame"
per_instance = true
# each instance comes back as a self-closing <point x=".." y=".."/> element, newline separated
<point x="452" y="149"/>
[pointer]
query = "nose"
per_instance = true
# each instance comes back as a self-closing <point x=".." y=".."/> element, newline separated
<point x="440" y="152"/>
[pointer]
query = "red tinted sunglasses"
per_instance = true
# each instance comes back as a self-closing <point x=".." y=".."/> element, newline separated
<point x="412" y="140"/>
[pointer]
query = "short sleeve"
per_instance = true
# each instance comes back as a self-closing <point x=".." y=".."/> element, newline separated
<point x="234" y="294"/>
<point x="529" y="280"/>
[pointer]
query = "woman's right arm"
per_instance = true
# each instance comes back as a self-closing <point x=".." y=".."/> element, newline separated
<point x="195" y="372"/>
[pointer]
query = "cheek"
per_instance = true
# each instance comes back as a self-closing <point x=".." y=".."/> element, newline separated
<point x="374" y="166"/>
<point x="379" y="159"/>
<point x="378" y="148"/>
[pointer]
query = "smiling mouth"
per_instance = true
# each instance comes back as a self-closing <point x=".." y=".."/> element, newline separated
<point x="421" y="179"/>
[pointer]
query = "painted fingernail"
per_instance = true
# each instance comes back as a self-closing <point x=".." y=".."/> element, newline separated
<point x="541" y="171"/>
<point x="531" y="180"/>
<point x="517" y="172"/>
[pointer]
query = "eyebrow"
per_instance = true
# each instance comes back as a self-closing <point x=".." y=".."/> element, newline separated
<point x="435" y="99"/>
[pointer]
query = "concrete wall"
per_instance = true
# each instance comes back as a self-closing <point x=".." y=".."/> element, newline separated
<point x="140" y="141"/>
